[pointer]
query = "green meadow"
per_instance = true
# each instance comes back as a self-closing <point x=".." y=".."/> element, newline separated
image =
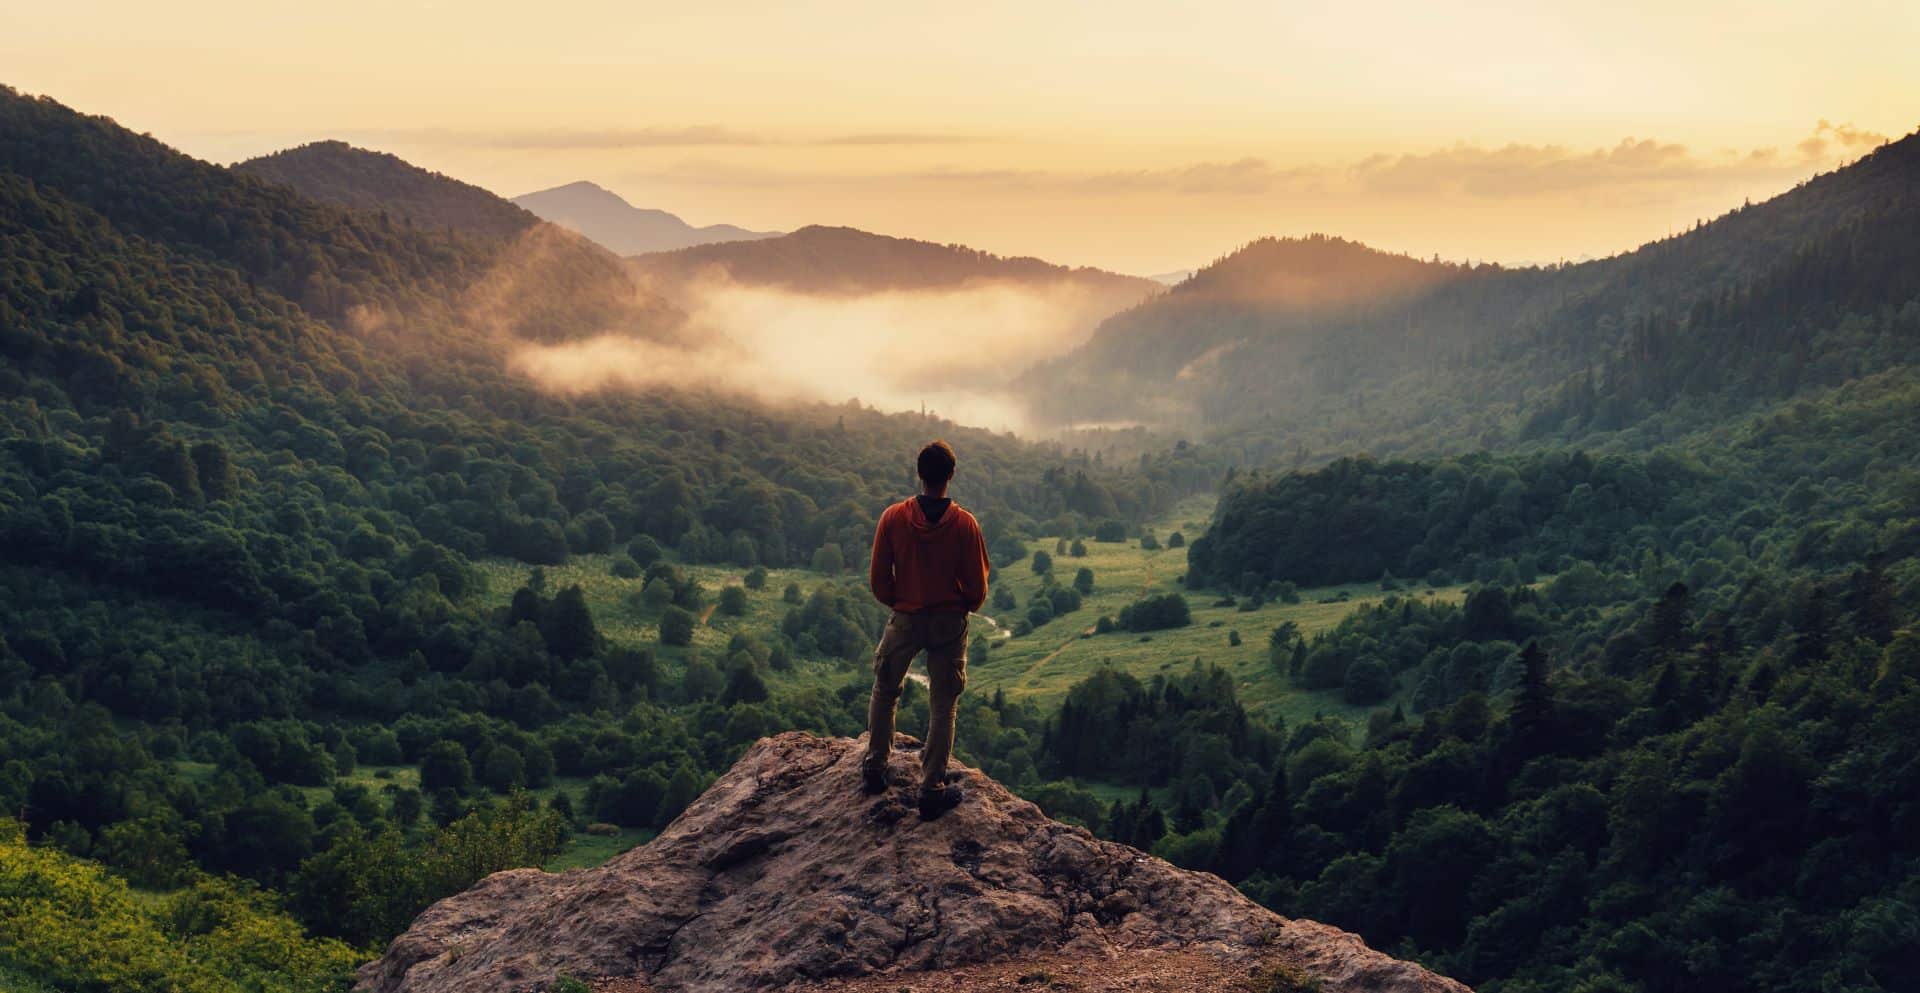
<point x="1042" y="665"/>
<point x="1039" y="666"/>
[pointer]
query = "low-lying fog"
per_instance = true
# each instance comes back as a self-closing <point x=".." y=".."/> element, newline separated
<point x="955" y="351"/>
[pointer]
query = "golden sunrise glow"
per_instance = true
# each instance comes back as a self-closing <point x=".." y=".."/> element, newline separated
<point x="1141" y="137"/>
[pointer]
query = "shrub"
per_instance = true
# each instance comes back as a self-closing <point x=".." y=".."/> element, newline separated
<point x="1367" y="681"/>
<point x="676" y="627"/>
<point x="1165" y="610"/>
<point x="644" y="550"/>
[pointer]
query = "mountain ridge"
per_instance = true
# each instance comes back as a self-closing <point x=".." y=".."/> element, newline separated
<point x="836" y="259"/>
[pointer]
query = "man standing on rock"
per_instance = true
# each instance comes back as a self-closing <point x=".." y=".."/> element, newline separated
<point x="930" y="567"/>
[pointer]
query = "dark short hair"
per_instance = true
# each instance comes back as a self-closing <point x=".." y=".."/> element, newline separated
<point x="936" y="462"/>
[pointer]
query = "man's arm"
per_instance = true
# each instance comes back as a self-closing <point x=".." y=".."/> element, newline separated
<point x="880" y="567"/>
<point x="973" y="571"/>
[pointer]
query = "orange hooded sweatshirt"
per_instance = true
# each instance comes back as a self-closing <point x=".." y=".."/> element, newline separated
<point x="920" y="565"/>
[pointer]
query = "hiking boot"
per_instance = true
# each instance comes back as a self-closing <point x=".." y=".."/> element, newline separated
<point x="933" y="803"/>
<point x="873" y="781"/>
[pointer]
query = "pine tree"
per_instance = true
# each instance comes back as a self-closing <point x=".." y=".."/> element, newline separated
<point x="1532" y="713"/>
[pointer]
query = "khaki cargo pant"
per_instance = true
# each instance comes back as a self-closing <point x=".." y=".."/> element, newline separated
<point x="943" y="636"/>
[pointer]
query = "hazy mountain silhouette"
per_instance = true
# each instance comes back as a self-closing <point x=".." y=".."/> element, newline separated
<point x="621" y="227"/>
<point x="336" y="172"/>
<point x="818" y="259"/>
<point x="540" y="280"/>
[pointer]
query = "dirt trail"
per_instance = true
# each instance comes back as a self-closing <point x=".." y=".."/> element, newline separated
<point x="1050" y="656"/>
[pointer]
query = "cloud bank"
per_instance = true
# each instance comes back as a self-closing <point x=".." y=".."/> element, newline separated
<point x="952" y="351"/>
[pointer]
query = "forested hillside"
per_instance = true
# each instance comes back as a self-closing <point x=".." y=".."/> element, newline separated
<point x="1665" y="744"/>
<point x="829" y="260"/>
<point x="335" y="172"/>
<point x="1396" y="356"/>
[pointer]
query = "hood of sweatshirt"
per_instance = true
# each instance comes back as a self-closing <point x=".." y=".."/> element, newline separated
<point x="926" y="530"/>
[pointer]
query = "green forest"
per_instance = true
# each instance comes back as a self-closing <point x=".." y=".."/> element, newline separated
<point x="315" y="612"/>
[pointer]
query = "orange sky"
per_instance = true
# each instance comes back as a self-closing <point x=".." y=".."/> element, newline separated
<point x="1137" y="136"/>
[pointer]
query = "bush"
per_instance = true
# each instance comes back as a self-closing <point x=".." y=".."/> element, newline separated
<point x="676" y="627"/>
<point x="733" y="601"/>
<point x="503" y="769"/>
<point x="1042" y="563"/>
<point x="644" y="551"/>
<point x="445" y="766"/>
<point x="829" y="559"/>
<point x="624" y="567"/>
<point x="1367" y="681"/>
<point x="1083" y="581"/>
<point x="756" y="578"/>
<point x="1166" y="610"/>
<point x="72" y="926"/>
<point x="1110" y="531"/>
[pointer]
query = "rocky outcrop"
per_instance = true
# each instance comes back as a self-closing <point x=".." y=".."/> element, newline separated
<point x="785" y="876"/>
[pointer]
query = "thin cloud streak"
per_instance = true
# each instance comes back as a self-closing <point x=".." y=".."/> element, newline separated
<point x="615" y="139"/>
<point x="1632" y="169"/>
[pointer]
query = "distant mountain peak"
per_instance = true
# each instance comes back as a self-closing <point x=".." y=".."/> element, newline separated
<point x="624" y="229"/>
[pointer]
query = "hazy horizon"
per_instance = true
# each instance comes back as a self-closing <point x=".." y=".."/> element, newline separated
<point x="1125" y="139"/>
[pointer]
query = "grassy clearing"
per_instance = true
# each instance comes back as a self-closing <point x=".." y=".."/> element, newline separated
<point x="1042" y="665"/>
<point x="584" y="851"/>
